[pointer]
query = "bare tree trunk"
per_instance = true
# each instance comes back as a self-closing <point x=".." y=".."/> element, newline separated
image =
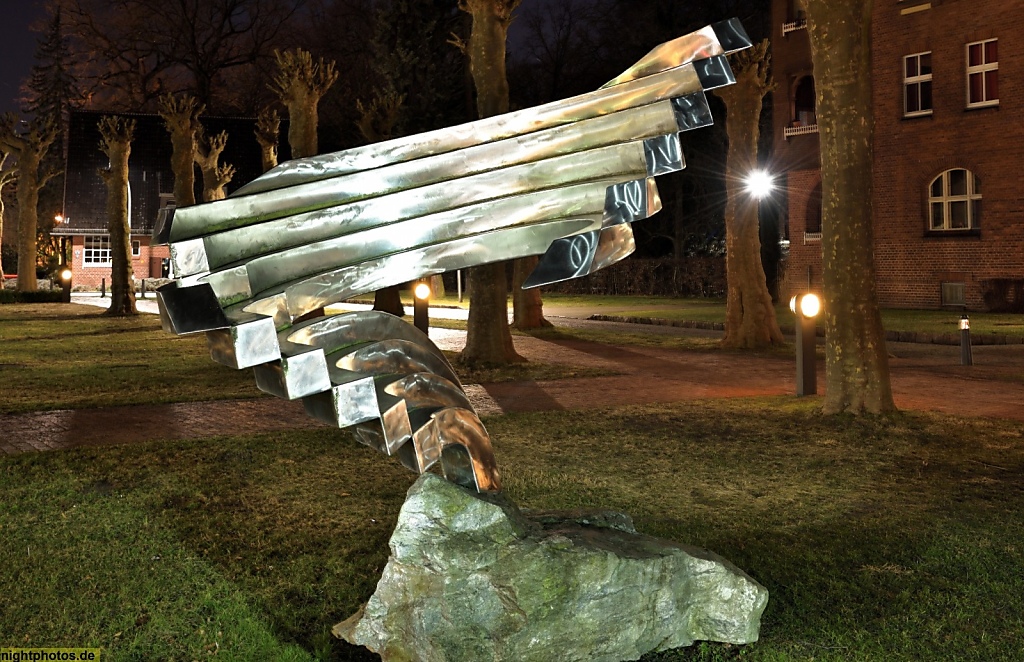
<point x="389" y="300"/>
<point x="116" y="142"/>
<point x="488" y="339"/>
<point x="268" y="126"/>
<point x="181" y="117"/>
<point x="749" y="314"/>
<point x="29" y="148"/>
<point x="856" y="364"/>
<point x="300" y="84"/>
<point x="28" y="218"/>
<point x="207" y="156"/>
<point x="527" y="306"/>
<point x="7" y="175"/>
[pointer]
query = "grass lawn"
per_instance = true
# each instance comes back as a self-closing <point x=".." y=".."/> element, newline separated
<point x="69" y="356"/>
<point x="713" y="310"/>
<point x="878" y="539"/>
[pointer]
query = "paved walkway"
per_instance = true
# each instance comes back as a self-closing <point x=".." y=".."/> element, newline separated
<point x="924" y="377"/>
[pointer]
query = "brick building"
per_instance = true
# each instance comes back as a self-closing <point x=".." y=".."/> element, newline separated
<point x="151" y="187"/>
<point x="949" y="115"/>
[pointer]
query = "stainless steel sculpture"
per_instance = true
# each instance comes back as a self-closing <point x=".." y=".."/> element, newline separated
<point x="563" y="180"/>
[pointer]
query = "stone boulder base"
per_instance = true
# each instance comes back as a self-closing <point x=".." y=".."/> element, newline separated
<point x="472" y="578"/>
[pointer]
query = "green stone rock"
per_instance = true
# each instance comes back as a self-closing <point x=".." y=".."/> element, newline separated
<point x="473" y="578"/>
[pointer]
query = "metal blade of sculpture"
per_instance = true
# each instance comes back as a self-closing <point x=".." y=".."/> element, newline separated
<point x="562" y="180"/>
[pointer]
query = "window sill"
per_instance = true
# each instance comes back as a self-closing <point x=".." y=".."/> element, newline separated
<point x="917" y="115"/>
<point x="983" y="104"/>
<point x="953" y="234"/>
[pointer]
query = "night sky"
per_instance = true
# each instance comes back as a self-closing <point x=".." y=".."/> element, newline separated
<point x="17" y="47"/>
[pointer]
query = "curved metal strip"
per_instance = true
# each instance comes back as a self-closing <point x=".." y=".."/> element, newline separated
<point x="473" y="196"/>
<point x="393" y="357"/>
<point x="399" y="396"/>
<point x="234" y="212"/>
<point x="615" y="243"/>
<point x="582" y="255"/>
<point x="566" y="258"/>
<point x="424" y="389"/>
<point x="268" y="271"/>
<point x="666" y="85"/>
<point x="336" y="331"/>
<point x="372" y="275"/>
<point x="721" y="38"/>
<point x="466" y="454"/>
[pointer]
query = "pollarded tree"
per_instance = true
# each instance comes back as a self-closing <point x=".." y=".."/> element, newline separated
<point x="207" y="157"/>
<point x="116" y="135"/>
<point x="29" y="147"/>
<point x="856" y="362"/>
<point x="749" y="316"/>
<point x="181" y="118"/>
<point x="488" y="339"/>
<point x="268" y="127"/>
<point x="300" y="83"/>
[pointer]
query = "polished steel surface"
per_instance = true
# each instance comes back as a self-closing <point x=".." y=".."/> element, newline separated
<point x="564" y="181"/>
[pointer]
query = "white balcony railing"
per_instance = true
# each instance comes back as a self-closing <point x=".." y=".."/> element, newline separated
<point x="794" y="26"/>
<point x="812" y="238"/>
<point x="799" y="130"/>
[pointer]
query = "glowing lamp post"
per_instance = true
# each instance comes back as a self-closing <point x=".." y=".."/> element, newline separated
<point x="806" y="308"/>
<point x="421" y="301"/>
<point x="65" y="282"/>
<point x="965" y="341"/>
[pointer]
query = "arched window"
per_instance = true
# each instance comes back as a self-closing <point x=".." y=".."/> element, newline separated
<point x="954" y="201"/>
<point x="812" y="230"/>
<point x="803" y="102"/>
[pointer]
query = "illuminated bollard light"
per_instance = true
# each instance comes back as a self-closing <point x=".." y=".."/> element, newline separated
<point x="965" y="341"/>
<point x="421" y="302"/>
<point x="65" y="282"/>
<point x="806" y="308"/>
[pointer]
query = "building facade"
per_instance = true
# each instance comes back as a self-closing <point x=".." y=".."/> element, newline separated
<point x="948" y="109"/>
<point x="150" y="189"/>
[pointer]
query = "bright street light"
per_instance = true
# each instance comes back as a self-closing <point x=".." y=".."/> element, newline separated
<point x="759" y="184"/>
<point x="810" y="305"/>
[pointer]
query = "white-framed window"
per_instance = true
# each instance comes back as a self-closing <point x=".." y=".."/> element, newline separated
<point x="983" y="73"/>
<point x="136" y="248"/>
<point x="917" y="84"/>
<point x="954" y="201"/>
<point x="97" y="250"/>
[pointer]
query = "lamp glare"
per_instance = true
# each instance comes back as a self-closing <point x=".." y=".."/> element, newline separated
<point x="810" y="305"/>
<point x="422" y="291"/>
<point x="66" y="274"/>
<point x="759" y="184"/>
